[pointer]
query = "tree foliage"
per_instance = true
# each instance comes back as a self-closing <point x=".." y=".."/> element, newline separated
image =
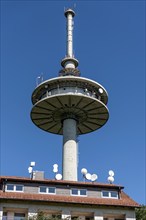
<point x="42" y="216"/>
<point x="141" y="213"/>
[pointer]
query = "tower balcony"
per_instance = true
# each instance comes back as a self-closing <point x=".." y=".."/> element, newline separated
<point x="73" y="97"/>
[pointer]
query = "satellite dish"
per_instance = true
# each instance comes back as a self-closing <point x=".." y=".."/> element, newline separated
<point x="94" y="177"/>
<point x="110" y="179"/>
<point x="111" y="173"/>
<point x="84" y="171"/>
<point x="30" y="170"/>
<point x="100" y="90"/>
<point x="55" y="168"/>
<point x="88" y="176"/>
<point x="46" y="86"/>
<point x="32" y="164"/>
<point x="58" y="176"/>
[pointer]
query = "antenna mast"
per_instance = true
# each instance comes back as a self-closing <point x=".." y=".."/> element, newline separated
<point x="69" y="27"/>
<point x="69" y="61"/>
<point x="70" y="105"/>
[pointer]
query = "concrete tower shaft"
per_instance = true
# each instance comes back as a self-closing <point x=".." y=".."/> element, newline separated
<point x="70" y="150"/>
<point x="69" y="105"/>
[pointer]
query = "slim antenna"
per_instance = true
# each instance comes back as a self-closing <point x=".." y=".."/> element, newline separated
<point x="69" y="61"/>
<point x="84" y="172"/>
<point x="111" y="176"/>
<point x="58" y="176"/>
<point x="39" y="79"/>
<point x="55" y="168"/>
<point x="69" y="26"/>
<point x="30" y="169"/>
<point x="94" y="177"/>
<point x="88" y="176"/>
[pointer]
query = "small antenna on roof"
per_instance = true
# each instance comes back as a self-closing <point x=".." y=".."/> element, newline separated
<point x="94" y="177"/>
<point x="84" y="172"/>
<point x="111" y="176"/>
<point x="58" y="176"/>
<point x="55" y="168"/>
<point x="74" y="5"/>
<point x="39" y="79"/>
<point x="30" y="169"/>
<point x="88" y="176"/>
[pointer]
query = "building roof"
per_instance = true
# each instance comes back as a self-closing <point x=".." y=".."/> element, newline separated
<point x="60" y="182"/>
<point x="124" y="201"/>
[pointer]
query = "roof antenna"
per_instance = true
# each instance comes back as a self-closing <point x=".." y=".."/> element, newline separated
<point x="58" y="176"/>
<point x="74" y="5"/>
<point x="111" y="176"/>
<point x="88" y="176"/>
<point x="69" y="61"/>
<point x="39" y="79"/>
<point x="30" y="169"/>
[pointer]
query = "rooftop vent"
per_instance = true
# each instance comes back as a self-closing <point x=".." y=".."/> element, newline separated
<point x="38" y="175"/>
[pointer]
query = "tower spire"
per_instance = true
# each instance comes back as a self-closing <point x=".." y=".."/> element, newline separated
<point x="69" y="61"/>
<point x="69" y="105"/>
<point x="69" y="27"/>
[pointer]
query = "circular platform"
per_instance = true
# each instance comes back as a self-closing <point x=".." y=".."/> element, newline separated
<point x="49" y="112"/>
<point x="68" y="84"/>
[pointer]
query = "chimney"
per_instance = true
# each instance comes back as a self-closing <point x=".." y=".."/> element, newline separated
<point x="38" y="175"/>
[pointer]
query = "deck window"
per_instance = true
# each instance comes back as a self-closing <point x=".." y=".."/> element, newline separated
<point x="74" y="191"/>
<point x="83" y="192"/>
<point x="19" y="188"/>
<point x="114" y="194"/>
<point x="15" y="188"/>
<point x="43" y="189"/>
<point x="51" y="190"/>
<point x="10" y="187"/>
<point x="110" y="194"/>
<point x="78" y="192"/>
<point x="47" y="190"/>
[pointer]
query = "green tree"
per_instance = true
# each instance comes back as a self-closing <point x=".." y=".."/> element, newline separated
<point x="42" y="216"/>
<point x="141" y="213"/>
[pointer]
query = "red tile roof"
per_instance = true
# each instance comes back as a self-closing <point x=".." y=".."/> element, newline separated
<point x="60" y="182"/>
<point x="125" y="200"/>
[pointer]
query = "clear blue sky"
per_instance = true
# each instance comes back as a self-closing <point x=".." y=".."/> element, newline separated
<point x="109" y="42"/>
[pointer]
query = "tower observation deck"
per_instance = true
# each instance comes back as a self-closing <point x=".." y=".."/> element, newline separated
<point x="69" y="105"/>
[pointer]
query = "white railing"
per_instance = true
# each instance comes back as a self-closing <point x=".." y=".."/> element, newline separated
<point x="70" y="90"/>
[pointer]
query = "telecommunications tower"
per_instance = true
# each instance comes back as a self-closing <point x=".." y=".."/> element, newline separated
<point x="69" y="105"/>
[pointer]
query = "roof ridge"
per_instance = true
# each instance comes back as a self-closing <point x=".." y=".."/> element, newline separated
<point x="68" y="199"/>
<point x="18" y="178"/>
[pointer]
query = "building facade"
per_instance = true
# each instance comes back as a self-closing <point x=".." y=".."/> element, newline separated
<point x="23" y="198"/>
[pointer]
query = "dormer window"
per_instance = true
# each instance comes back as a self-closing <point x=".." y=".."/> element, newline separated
<point x="48" y="190"/>
<point x="15" y="188"/>
<point x="110" y="194"/>
<point x="78" y="192"/>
